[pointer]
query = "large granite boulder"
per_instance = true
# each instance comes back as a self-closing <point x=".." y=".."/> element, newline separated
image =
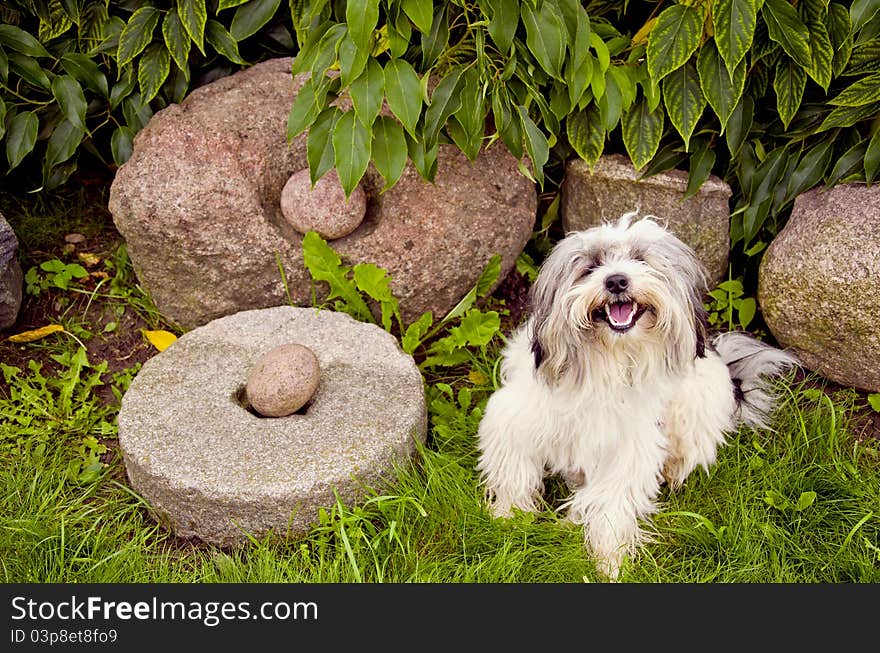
<point x="614" y="188"/>
<point x="10" y="276"/>
<point x="199" y="205"/>
<point x="212" y="469"/>
<point x="819" y="284"/>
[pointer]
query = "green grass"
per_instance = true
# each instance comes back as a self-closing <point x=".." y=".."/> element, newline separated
<point x="798" y="505"/>
<point x="742" y="523"/>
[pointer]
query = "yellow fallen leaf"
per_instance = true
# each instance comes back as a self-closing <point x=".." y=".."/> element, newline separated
<point x="35" y="334"/>
<point x="88" y="259"/>
<point x="161" y="340"/>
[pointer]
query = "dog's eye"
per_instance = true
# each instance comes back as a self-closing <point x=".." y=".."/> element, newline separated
<point x="588" y="269"/>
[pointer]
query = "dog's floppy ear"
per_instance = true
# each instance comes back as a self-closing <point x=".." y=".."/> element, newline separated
<point x="552" y="341"/>
<point x="701" y="329"/>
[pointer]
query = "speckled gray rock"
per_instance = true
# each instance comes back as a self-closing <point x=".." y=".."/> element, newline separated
<point x="613" y="188"/>
<point x="10" y="275"/>
<point x="819" y="284"/>
<point x="283" y="380"/>
<point x="211" y="469"/>
<point x="324" y="208"/>
<point x="198" y="204"/>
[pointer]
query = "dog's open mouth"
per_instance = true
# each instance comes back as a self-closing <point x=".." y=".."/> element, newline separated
<point x="621" y="316"/>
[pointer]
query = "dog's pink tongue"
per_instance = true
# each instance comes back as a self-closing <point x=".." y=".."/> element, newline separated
<point x="620" y="312"/>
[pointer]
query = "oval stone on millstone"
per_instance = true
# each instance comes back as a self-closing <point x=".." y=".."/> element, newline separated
<point x="283" y="380"/>
<point x="819" y="284"/>
<point x="213" y="470"/>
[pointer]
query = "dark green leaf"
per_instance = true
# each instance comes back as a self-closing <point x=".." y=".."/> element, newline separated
<point x="368" y="91"/>
<point x="4" y="66"/>
<point x="229" y="4"/>
<point x="721" y="90"/>
<point x="63" y="142"/>
<point x="468" y="125"/>
<point x="700" y="168"/>
<point x="578" y="79"/>
<point x="611" y="103"/>
<point x="250" y="17"/>
<point x="734" y="24"/>
<point x="435" y="41"/>
<point x="684" y="100"/>
<point x="352" y="60"/>
<point x="424" y="158"/>
<point x="17" y="39"/>
<point x="352" y="144"/>
<point x="399" y="36"/>
<point x="848" y="116"/>
<point x="21" y="136"/>
<point x="546" y="36"/>
<point x="445" y="100"/>
<point x="810" y="169"/>
<point x="389" y="149"/>
<point x="536" y="144"/>
<point x="503" y="20"/>
<point x="362" y="16"/>
<point x="821" y="49"/>
<point x="2" y="118"/>
<point x="71" y="100"/>
<point x="864" y="58"/>
<point x="194" y="17"/>
<point x="29" y="70"/>
<point x="309" y="102"/>
<point x="137" y="112"/>
<point x="121" y="144"/>
<point x="222" y="42"/>
<point x="863" y="91"/>
<point x="642" y="131"/>
<point x="176" y="39"/>
<point x="852" y="161"/>
<point x="403" y="92"/>
<point x="586" y="134"/>
<point x="153" y="68"/>
<point x="137" y="34"/>
<point x="328" y="47"/>
<point x="861" y="11"/>
<point x="668" y="157"/>
<point x="420" y="12"/>
<point x="839" y="31"/>
<point x="786" y="28"/>
<point x="872" y="157"/>
<point x="673" y="40"/>
<point x="122" y="89"/>
<point x="507" y="122"/>
<point x="319" y="146"/>
<point x="85" y="71"/>
<point x="789" y="83"/>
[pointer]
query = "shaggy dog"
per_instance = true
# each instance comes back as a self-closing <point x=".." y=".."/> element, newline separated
<point x="614" y="383"/>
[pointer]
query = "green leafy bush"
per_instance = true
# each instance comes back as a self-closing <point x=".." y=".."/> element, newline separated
<point x="88" y="74"/>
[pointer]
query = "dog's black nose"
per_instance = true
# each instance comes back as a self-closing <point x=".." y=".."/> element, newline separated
<point x="616" y="283"/>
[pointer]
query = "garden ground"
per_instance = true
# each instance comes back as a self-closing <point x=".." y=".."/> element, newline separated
<point x="801" y="504"/>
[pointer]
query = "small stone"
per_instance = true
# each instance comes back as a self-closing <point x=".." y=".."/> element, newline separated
<point x="323" y="208"/>
<point x="74" y="239"/>
<point x="283" y="380"/>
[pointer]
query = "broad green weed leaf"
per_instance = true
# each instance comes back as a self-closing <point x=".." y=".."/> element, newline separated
<point x="375" y="282"/>
<point x="414" y="333"/>
<point x="325" y="265"/>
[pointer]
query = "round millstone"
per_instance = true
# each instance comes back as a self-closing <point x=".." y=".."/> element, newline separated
<point x="323" y="208"/>
<point x="211" y="469"/>
<point x="283" y="380"/>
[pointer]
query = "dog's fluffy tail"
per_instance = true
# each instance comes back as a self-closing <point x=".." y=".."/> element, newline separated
<point x="752" y="363"/>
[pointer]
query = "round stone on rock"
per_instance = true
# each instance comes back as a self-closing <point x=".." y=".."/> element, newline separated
<point x="211" y="469"/>
<point x="323" y="208"/>
<point x="283" y="380"/>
